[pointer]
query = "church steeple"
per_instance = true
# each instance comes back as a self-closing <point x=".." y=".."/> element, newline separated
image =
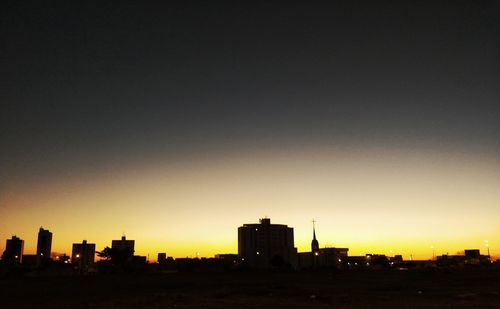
<point x="314" y="242"/>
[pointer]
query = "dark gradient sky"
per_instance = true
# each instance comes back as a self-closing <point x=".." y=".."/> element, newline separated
<point x="86" y="85"/>
<point x="151" y="119"/>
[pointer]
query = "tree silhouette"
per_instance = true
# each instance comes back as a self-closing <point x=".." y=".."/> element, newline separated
<point x="117" y="257"/>
<point x="105" y="253"/>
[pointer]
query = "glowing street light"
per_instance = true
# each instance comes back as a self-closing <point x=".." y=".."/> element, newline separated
<point x="487" y="245"/>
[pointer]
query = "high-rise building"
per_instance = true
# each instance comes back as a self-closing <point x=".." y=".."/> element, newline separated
<point x="14" y="248"/>
<point x="265" y="245"/>
<point x="44" y="244"/>
<point x="83" y="255"/>
<point x="123" y="244"/>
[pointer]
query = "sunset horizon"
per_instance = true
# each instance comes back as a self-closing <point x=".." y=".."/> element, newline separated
<point x="290" y="187"/>
<point x="250" y="154"/>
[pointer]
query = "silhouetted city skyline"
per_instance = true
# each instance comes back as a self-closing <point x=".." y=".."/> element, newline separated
<point x="260" y="245"/>
<point x="145" y="147"/>
<point x="177" y="125"/>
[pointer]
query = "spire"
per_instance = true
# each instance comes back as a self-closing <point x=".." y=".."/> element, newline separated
<point x="314" y="242"/>
<point x="314" y="230"/>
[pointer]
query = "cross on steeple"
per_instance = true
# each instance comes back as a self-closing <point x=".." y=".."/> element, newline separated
<point x="314" y="242"/>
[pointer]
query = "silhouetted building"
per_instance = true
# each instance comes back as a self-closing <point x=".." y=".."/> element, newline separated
<point x="470" y="257"/>
<point x="44" y="245"/>
<point x="398" y="258"/>
<point x="472" y="253"/>
<point x="225" y="260"/>
<point x="123" y="244"/>
<point x="82" y="255"/>
<point x="13" y="250"/>
<point x="325" y="257"/>
<point x="227" y="256"/>
<point x="139" y="260"/>
<point x="314" y="255"/>
<point x="378" y="260"/>
<point x="162" y="258"/>
<point x="314" y="242"/>
<point x="332" y="257"/>
<point x="358" y="262"/>
<point x="264" y="245"/>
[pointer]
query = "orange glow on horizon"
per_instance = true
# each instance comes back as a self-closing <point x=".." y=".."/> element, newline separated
<point x="381" y="201"/>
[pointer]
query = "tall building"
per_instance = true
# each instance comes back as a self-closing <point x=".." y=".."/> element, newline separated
<point x="83" y="255"/>
<point x="44" y="244"/>
<point x="13" y="250"/>
<point x="265" y="245"/>
<point x="123" y="244"/>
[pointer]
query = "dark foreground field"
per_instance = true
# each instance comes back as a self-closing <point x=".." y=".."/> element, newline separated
<point x="395" y="289"/>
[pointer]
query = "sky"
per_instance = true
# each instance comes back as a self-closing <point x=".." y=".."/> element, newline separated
<point x="174" y="123"/>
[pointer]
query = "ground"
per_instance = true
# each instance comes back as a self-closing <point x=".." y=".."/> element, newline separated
<point x="473" y="288"/>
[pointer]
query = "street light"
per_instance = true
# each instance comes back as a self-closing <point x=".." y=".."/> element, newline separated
<point x="487" y="245"/>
